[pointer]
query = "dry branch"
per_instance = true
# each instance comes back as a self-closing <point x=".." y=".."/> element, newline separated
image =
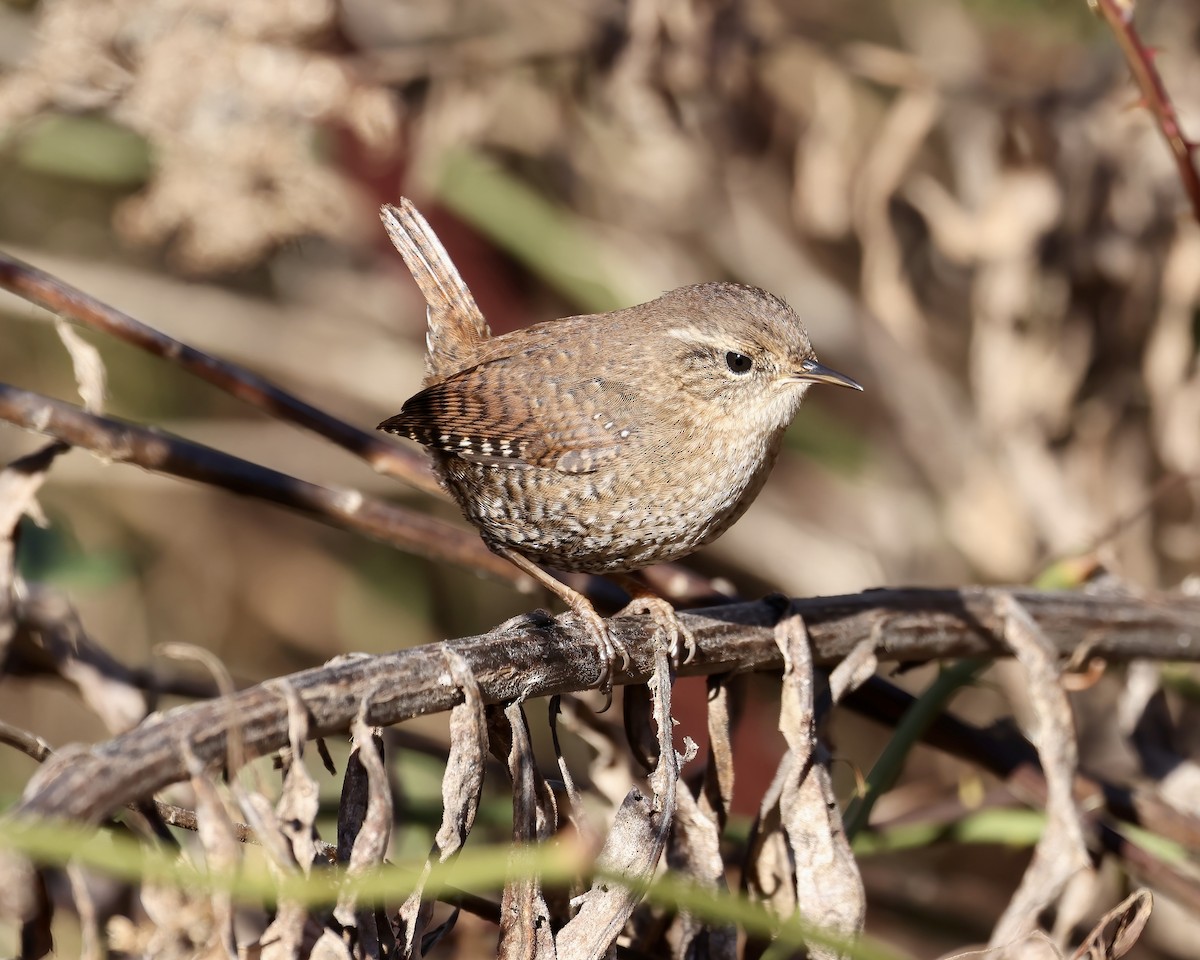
<point x="64" y="300"/>
<point x="160" y="452"/>
<point x="539" y="657"/>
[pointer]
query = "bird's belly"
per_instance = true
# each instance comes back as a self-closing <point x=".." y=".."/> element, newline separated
<point x="607" y="521"/>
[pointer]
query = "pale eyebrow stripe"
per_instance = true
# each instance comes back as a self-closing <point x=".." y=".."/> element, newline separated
<point x="691" y="336"/>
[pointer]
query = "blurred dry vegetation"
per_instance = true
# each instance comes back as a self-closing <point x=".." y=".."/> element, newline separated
<point x="960" y="197"/>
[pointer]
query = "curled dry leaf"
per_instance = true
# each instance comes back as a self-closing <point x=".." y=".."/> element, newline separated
<point x="718" y="771"/>
<point x="694" y="851"/>
<point x="300" y="799"/>
<point x="222" y="851"/>
<point x="234" y="746"/>
<point x="525" y="932"/>
<point x="694" y="848"/>
<point x="462" y="787"/>
<point x="364" y="820"/>
<point x="292" y="928"/>
<point x="829" y="887"/>
<point x="637" y="709"/>
<point x="857" y="668"/>
<point x="260" y="816"/>
<point x="634" y="844"/>
<point x="1118" y="930"/>
<point x="287" y="833"/>
<point x="90" y="376"/>
<point x="1061" y="851"/>
<point x="329" y="946"/>
<point x="19" y="484"/>
<point x="767" y="873"/>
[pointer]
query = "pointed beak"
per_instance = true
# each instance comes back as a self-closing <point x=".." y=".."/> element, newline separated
<point x="813" y="372"/>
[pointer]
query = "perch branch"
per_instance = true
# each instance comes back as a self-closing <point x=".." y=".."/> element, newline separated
<point x="540" y="657"/>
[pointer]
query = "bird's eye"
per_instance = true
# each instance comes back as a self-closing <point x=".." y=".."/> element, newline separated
<point x="738" y="362"/>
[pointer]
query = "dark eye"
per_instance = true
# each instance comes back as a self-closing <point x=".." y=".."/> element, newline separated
<point x="738" y="362"/>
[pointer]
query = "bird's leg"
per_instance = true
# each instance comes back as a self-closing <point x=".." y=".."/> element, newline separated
<point x="662" y="612"/>
<point x="611" y="649"/>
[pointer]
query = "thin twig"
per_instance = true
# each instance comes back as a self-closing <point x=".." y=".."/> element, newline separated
<point x="28" y="743"/>
<point x="61" y="298"/>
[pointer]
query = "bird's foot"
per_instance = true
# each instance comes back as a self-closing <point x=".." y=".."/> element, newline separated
<point x="681" y="640"/>
<point x="611" y="649"/>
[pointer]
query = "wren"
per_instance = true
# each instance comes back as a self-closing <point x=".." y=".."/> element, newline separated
<point x="603" y="443"/>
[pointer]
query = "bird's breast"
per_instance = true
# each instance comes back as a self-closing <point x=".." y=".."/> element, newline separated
<point x="661" y="499"/>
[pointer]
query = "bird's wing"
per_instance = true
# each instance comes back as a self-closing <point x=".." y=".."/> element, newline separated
<point x="513" y="413"/>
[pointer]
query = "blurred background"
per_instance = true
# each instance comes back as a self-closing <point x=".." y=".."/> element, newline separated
<point x="960" y="197"/>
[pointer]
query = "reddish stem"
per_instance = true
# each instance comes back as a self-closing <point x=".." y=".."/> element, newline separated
<point x="1119" y="16"/>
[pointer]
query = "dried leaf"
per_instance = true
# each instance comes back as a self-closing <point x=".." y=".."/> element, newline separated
<point x="222" y="851"/>
<point x="292" y="933"/>
<point x="634" y="844"/>
<point x="638" y="713"/>
<point x="260" y="816"/>
<point x="1118" y="930"/>
<point x="1061" y="851"/>
<point x="576" y="813"/>
<point x="525" y="932"/>
<point x="694" y="850"/>
<point x="829" y="887"/>
<point x="462" y="787"/>
<point x="857" y="667"/>
<point x="300" y="799"/>
<point x="19" y="484"/>
<point x="718" y="771"/>
<point x="90" y="376"/>
<point x="364" y="821"/>
<point x="767" y="873"/>
<point x="235" y="750"/>
<point x="330" y="946"/>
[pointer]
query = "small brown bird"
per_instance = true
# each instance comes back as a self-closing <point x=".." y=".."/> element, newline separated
<point x="603" y="443"/>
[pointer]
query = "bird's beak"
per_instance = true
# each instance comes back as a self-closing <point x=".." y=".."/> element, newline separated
<point x="813" y="372"/>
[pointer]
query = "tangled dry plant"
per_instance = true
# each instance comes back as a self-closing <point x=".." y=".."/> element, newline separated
<point x="994" y="243"/>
